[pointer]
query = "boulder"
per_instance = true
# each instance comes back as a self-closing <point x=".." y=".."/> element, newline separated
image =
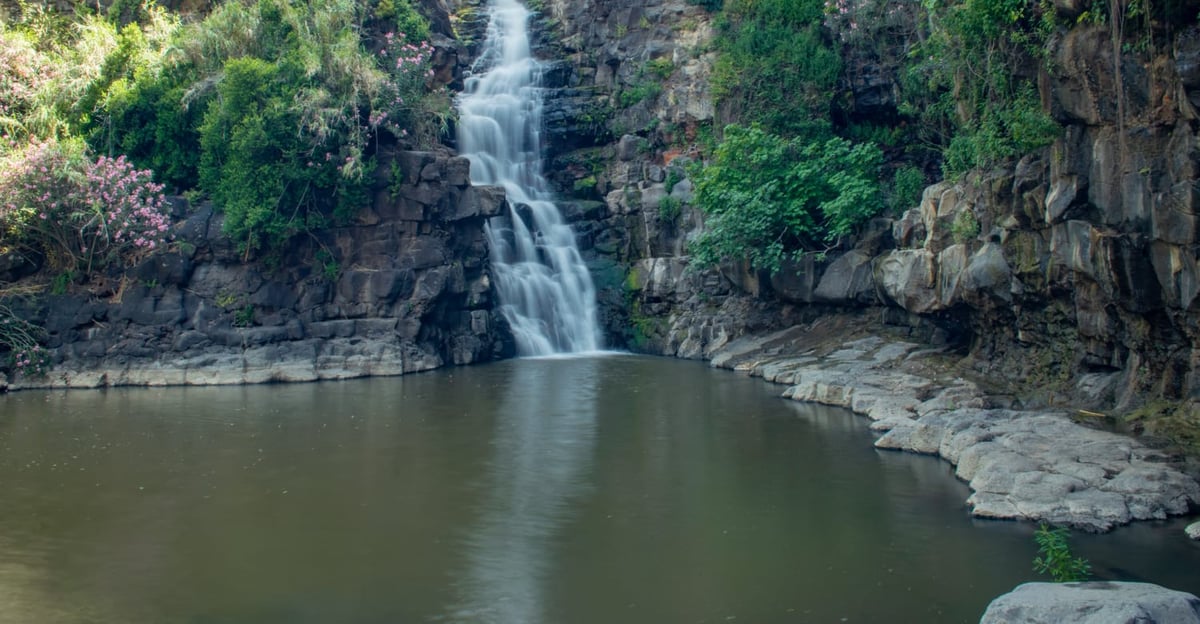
<point x="847" y="280"/>
<point x="908" y="277"/>
<point x="1098" y="602"/>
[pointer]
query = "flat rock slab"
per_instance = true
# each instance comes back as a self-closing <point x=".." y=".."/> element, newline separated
<point x="1093" y="603"/>
<point x="1036" y="465"/>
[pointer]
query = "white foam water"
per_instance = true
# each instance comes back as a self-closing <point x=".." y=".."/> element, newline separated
<point x="546" y="293"/>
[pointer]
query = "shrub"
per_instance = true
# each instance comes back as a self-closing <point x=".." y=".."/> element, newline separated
<point x="774" y="66"/>
<point x="24" y="72"/>
<point x="767" y="197"/>
<point x="82" y="214"/>
<point x="908" y="184"/>
<point x="286" y="143"/>
<point x="963" y="82"/>
<point x="20" y="339"/>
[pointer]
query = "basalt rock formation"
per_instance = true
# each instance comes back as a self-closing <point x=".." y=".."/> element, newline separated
<point x="1072" y="272"/>
<point x="405" y="288"/>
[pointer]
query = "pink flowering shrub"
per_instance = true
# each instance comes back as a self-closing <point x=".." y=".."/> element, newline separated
<point x="83" y="214"/>
<point x="20" y="339"/>
<point x="403" y="98"/>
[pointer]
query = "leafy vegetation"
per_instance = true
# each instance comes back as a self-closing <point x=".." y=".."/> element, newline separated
<point x="780" y="183"/>
<point x="966" y="87"/>
<point x="1055" y="557"/>
<point x="20" y="339"/>
<point x="80" y="214"/>
<point x="768" y="198"/>
<point x="284" y="104"/>
<point x="775" y="68"/>
<point x="273" y="108"/>
<point x="908" y="184"/>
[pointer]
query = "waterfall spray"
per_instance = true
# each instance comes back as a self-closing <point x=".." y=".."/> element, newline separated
<point x="545" y="291"/>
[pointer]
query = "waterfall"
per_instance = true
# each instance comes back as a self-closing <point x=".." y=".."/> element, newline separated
<point x="545" y="291"/>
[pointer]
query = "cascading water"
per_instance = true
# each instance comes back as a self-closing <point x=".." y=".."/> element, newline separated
<point x="546" y="293"/>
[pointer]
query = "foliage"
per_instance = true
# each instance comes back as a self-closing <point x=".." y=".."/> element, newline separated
<point x="244" y="316"/>
<point x="964" y="227"/>
<point x="674" y="176"/>
<point x="82" y="214"/>
<point x="326" y="265"/>
<point x="774" y="66"/>
<point x="1055" y="557"/>
<point x="965" y="87"/>
<point x="661" y="68"/>
<point x="767" y="197"/>
<point x="286" y="139"/>
<point x="908" y="184"/>
<point x="1015" y="127"/>
<point x="637" y="93"/>
<point x="669" y="209"/>
<point x="25" y="73"/>
<point x="21" y="339"/>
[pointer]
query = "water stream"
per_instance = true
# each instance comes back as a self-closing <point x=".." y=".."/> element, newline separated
<point x="546" y="293"/>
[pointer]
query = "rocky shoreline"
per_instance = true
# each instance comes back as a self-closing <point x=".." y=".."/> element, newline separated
<point x="1026" y="464"/>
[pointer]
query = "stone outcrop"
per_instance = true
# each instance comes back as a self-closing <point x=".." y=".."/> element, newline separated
<point x="1093" y="603"/>
<point x="1072" y="272"/>
<point x="405" y="288"/>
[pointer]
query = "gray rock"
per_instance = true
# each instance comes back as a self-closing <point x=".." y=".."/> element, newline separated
<point x="848" y="279"/>
<point x="908" y="277"/>
<point x="1193" y="530"/>
<point x="1098" y="602"/>
<point x="987" y="276"/>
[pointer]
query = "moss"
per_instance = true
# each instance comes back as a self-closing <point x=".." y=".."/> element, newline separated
<point x="1178" y="425"/>
<point x="648" y="330"/>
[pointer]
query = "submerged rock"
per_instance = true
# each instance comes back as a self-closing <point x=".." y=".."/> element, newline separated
<point x="1093" y="603"/>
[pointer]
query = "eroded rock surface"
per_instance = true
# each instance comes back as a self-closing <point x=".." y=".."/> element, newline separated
<point x="1093" y="603"/>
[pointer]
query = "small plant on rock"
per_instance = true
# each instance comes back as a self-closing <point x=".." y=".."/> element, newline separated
<point x="20" y="338"/>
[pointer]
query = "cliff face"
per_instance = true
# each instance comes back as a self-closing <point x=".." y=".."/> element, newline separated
<point x="1072" y="271"/>
<point x="406" y="288"/>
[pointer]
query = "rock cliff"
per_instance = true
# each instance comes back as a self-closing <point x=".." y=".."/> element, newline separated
<point x="405" y="288"/>
<point x="1071" y="273"/>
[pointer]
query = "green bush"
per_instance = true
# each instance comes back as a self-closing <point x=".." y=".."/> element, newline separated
<point x="774" y="66"/>
<point x="963" y="87"/>
<point x="908" y="184"/>
<point x="287" y="137"/>
<point x="766" y="197"/>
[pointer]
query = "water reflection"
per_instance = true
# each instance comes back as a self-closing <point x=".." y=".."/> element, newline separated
<point x="542" y="454"/>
